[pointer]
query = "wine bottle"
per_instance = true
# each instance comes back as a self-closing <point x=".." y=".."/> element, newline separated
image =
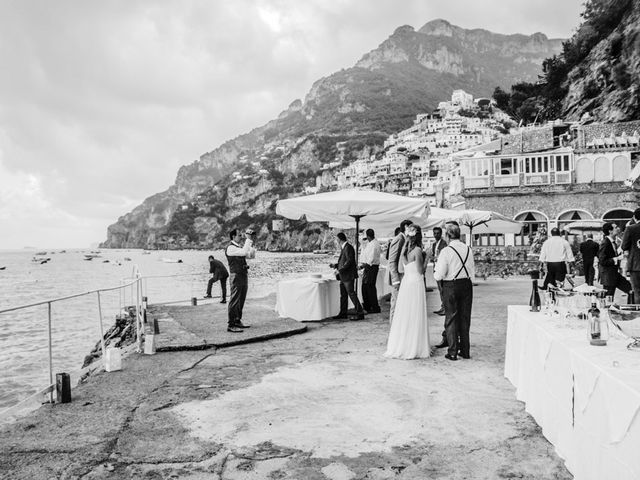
<point x="594" y="324"/>
<point x="534" y="301"/>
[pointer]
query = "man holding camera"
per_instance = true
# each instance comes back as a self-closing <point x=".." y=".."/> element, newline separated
<point x="239" y="279"/>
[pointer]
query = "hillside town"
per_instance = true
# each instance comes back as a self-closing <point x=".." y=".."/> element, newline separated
<point x="552" y="174"/>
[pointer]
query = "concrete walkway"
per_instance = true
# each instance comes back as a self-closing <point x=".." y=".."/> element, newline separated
<point x="186" y="327"/>
<point x="321" y="405"/>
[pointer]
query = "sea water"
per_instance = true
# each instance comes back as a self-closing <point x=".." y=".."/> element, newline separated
<point x="24" y="351"/>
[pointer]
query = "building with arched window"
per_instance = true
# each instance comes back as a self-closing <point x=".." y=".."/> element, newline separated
<point x="554" y="175"/>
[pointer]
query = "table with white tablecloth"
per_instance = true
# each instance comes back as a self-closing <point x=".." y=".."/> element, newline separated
<point x="308" y="299"/>
<point x="585" y="398"/>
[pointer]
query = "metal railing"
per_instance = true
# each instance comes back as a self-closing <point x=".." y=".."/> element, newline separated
<point x="135" y="300"/>
<point x="136" y="286"/>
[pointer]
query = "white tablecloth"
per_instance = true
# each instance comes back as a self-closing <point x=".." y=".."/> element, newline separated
<point x="587" y="406"/>
<point x="306" y="299"/>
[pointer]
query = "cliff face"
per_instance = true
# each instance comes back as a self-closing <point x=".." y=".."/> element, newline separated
<point x="606" y="84"/>
<point x="238" y="183"/>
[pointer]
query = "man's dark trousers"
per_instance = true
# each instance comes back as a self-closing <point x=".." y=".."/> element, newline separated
<point x="369" y="291"/>
<point x="589" y="271"/>
<point x="457" y="296"/>
<point x="556" y="272"/>
<point x="621" y="284"/>
<point x="223" y="286"/>
<point x="239" y="286"/>
<point x="347" y="289"/>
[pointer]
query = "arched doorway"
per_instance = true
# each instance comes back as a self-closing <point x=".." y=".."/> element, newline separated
<point x="619" y="216"/>
<point x="621" y="168"/>
<point x="534" y="222"/>
<point x="570" y="216"/>
<point x="602" y="170"/>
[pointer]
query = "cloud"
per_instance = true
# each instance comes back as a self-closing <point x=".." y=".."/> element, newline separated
<point x="104" y="101"/>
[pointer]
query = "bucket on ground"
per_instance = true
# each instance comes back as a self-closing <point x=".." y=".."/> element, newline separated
<point x="149" y="344"/>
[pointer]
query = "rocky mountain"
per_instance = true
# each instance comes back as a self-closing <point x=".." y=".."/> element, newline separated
<point x="606" y="81"/>
<point x="344" y="116"/>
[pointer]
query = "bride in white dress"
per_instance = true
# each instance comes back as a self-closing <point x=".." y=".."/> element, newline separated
<point x="409" y="334"/>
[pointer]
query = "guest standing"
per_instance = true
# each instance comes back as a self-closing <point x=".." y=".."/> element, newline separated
<point x="437" y="246"/>
<point x="239" y="279"/>
<point x="556" y="253"/>
<point x="219" y="273"/>
<point x="347" y="272"/>
<point x="455" y="269"/>
<point x="589" y="251"/>
<point x="631" y="244"/>
<point x="370" y="265"/>
<point x="395" y="269"/>
<point x="609" y="258"/>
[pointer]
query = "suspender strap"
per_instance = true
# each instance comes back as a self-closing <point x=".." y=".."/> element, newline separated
<point x="464" y="267"/>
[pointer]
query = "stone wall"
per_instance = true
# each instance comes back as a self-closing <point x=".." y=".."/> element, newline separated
<point x="527" y="141"/>
<point x="554" y="203"/>
<point x="590" y="132"/>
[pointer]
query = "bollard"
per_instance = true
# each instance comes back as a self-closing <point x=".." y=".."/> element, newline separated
<point x="149" y="344"/>
<point x="144" y="309"/>
<point x="156" y="326"/>
<point x="194" y="301"/>
<point x="63" y="387"/>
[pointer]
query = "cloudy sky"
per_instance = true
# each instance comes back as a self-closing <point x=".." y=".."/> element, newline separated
<point x="102" y="101"/>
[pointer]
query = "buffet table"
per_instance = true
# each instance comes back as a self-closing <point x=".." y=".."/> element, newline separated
<point x="312" y="299"/>
<point x="585" y="398"/>
<point x="308" y="299"/>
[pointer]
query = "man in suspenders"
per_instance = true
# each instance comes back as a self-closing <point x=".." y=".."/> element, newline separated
<point x="455" y="269"/>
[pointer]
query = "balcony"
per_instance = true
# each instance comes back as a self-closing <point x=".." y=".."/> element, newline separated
<point x="536" y="179"/>
<point x="506" y="180"/>
<point x="476" y="182"/>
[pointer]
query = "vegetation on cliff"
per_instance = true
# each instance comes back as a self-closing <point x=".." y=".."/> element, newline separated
<point x="598" y="70"/>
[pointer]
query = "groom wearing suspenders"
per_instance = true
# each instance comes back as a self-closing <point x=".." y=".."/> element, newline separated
<point x="455" y="268"/>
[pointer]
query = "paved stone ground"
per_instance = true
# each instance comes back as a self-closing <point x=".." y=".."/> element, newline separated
<point x="186" y="327"/>
<point x="321" y="405"/>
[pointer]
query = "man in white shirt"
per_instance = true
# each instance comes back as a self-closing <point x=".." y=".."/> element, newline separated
<point x="455" y="268"/>
<point x="239" y="278"/>
<point x="370" y="265"/>
<point x="555" y="252"/>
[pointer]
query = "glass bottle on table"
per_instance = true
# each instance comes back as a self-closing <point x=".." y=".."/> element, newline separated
<point x="598" y="327"/>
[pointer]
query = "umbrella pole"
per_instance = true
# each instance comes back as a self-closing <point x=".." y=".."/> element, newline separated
<point x="357" y="217"/>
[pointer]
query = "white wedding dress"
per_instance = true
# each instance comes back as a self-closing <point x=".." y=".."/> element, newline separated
<point x="409" y="334"/>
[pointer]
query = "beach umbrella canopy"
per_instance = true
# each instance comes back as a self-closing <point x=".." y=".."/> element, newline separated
<point x="593" y="225"/>
<point x="347" y="208"/>
<point x="346" y="205"/>
<point x="474" y="221"/>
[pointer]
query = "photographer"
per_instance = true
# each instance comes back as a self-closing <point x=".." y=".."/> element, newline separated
<point x="239" y="280"/>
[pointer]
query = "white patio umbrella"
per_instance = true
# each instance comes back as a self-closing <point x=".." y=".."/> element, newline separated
<point x="593" y="225"/>
<point x="343" y="207"/>
<point x="473" y="221"/>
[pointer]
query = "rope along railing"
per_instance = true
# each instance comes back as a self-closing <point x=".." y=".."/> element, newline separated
<point x="131" y="292"/>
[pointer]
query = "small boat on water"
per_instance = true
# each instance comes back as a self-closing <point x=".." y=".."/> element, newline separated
<point x="171" y="260"/>
<point x="41" y="253"/>
<point x="2" y="268"/>
<point x="146" y="252"/>
<point x="322" y="252"/>
<point x="40" y="260"/>
<point x="91" y="256"/>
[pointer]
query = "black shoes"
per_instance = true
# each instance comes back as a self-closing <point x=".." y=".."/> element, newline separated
<point x="234" y="330"/>
<point x="223" y="301"/>
<point x="377" y="310"/>
<point x="439" y="312"/>
<point x="466" y="357"/>
<point x="442" y="344"/>
<point x="340" y="316"/>
<point x="241" y="325"/>
<point x="451" y="357"/>
<point x="359" y="316"/>
<point x="207" y="296"/>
